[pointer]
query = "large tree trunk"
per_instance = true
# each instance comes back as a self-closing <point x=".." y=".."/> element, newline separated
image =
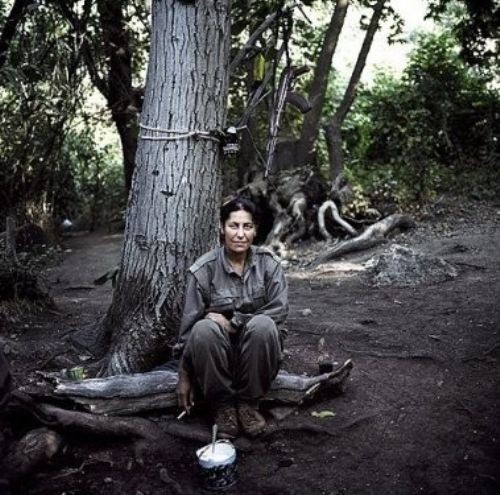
<point x="310" y="126"/>
<point x="175" y="191"/>
<point x="333" y="128"/>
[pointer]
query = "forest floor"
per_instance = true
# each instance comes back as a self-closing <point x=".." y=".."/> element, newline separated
<point x="421" y="413"/>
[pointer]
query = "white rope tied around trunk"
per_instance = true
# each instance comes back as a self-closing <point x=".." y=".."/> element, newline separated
<point x="177" y="134"/>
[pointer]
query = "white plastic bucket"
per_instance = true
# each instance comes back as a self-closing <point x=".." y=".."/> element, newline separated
<point x="218" y="464"/>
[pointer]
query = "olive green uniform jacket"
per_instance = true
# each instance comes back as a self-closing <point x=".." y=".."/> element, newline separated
<point x="213" y="285"/>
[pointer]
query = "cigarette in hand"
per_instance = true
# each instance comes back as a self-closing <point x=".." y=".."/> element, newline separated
<point x="182" y="414"/>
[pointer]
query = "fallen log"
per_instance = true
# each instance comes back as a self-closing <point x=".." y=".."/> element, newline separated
<point x="130" y="394"/>
<point x="109" y="396"/>
<point x="122" y="406"/>
<point x="128" y="386"/>
<point x="372" y="236"/>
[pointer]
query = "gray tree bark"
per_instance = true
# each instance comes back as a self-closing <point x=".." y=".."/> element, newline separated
<point x="333" y="128"/>
<point x="172" y="209"/>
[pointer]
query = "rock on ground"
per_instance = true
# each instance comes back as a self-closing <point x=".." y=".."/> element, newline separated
<point x="404" y="267"/>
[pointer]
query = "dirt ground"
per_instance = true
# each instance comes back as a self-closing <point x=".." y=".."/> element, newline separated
<point x="421" y="413"/>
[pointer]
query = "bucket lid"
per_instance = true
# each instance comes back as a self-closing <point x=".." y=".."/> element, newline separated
<point x="222" y="453"/>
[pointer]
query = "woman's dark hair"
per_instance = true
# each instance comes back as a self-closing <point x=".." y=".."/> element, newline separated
<point x="238" y="204"/>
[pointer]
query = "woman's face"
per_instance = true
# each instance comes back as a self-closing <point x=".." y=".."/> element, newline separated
<point x="239" y="231"/>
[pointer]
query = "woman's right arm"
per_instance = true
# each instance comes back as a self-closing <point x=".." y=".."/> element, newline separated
<point x="194" y="310"/>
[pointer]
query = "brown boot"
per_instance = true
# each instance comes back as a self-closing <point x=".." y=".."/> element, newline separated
<point x="251" y="420"/>
<point x="226" y="419"/>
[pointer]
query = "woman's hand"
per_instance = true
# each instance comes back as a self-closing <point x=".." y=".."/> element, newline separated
<point x="222" y="321"/>
<point x="185" y="391"/>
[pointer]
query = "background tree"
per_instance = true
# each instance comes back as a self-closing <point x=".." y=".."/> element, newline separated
<point x="319" y="83"/>
<point x="172" y="210"/>
<point x="429" y="132"/>
<point x="333" y="131"/>
<point x="40" y="94"/>
<point x="112" y="51"/>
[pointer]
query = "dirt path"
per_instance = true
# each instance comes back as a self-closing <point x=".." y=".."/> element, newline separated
<point x="420" y="415"/>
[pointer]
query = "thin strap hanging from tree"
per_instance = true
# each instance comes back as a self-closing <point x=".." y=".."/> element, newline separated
<point x="280" y="93"/>
<point x="283" y="92"/>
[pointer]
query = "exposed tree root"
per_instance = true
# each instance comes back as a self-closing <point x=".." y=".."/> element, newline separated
<point x="312" y="427"/>
<point x="372" y="236"/>
<point x="303" y="425"/>
<point x="146" y="433"/>
<point x="330" y="205"/>
<point x="202" y="434"/>
<point x="297" y="209"/>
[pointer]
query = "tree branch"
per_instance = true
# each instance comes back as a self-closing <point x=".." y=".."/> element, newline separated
<point x="310" y="126"/>
<point x="79" y="26"/>
<point x="350" y="92"/>
<point x="240" y="56"/>
<point x="10" y="27"/>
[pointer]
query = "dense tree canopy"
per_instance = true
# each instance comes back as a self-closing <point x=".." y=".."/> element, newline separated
<point x="56" y="56"/>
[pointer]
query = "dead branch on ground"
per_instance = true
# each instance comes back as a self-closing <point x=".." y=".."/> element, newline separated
<point x="372" y="236"/>
<point x="393" y="355"/>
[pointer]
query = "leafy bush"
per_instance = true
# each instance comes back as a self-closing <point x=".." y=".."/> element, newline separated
<point x="50" y="166"/>
<point x="92" y="193"/>
<point x="424" y="131"/>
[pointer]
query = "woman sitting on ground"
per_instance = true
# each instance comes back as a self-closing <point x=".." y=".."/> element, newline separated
<point x="230" y="335"/>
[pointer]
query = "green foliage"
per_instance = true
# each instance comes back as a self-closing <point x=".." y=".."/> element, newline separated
<point x="92" y="193"/>
<point x="37" y="101"/>
<point x="475" y="23"/>
<point x="418" y="135"/>
<point x="50" y="164"/>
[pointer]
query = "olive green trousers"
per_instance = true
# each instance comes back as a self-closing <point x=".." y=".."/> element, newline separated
<point x="228" y="367"/>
